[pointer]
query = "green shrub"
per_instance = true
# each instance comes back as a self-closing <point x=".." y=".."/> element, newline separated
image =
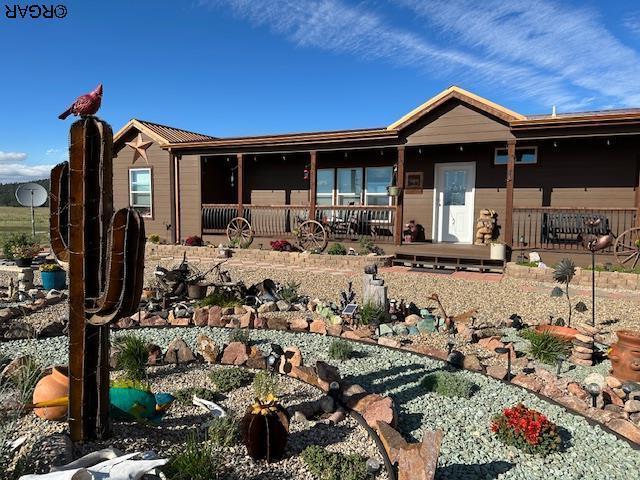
<point x="195" y="461"/>
<point x="185" y="395"/>
<point x="24" y="380"/>
<point x="334" y="466"/>
<point x="449" y="385"/>
<point x="220" y="299"/>
<point x="132" y="356"/>
<point x="545" y="346"/>
<point x="265" y="384"/>
<point x="367" y="246"/>
<point x="239" y="335"/>
<point x="525" y="263"/>
<point x="337" y="249"/>
<point x="289" y="293"/>
<point x="340" y="350"/>
<point x="223" y="431"/>
<point x="370" y="313"/>
<point x="227" y="379"/>
<point x="154" y="238"/>
<point x="15" y="240"/>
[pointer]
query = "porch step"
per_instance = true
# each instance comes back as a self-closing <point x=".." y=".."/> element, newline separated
<point x="448" y="262"/>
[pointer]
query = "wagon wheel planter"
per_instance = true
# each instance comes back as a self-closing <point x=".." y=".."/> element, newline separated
<point x="627" y="248"/>
<point x="312" y="236"/>
<point x="239" y="232"/>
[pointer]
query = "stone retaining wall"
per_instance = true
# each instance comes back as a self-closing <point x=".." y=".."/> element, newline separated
<point x="616" y="280"/>
<point x="175" y="252"/>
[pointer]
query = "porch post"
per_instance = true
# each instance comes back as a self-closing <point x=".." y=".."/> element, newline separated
<point x="508" y="221"/>
<point x="399" y="199"/>
<point x="240" y="184"/>
<point x="637" y="199"/>
<point x="313" y="168"/>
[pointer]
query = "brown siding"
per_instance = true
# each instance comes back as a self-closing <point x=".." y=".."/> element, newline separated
<point x="159" y="161"/>
<point x="459" y="124"/>
<point x="190" y="196"/>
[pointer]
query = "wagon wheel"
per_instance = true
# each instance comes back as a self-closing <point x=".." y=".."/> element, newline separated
<point x="239" y="231"/>
<point x="627" y="248"/>
<point x="312" y="236"/>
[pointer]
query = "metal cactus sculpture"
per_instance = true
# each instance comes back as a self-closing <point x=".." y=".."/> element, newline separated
<point x="104" y="254"/>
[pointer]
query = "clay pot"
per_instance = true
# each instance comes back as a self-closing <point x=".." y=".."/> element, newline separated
<point x="50" y="387"/>
<point x="565" y="333"/>
<point x="625" y="356"/>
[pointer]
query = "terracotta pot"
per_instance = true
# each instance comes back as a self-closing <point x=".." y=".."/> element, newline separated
<point x="625" y="356"/>
<point x="54" y="385"/>
<point x="564" y="333"/>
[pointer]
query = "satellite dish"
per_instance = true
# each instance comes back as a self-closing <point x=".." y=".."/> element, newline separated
<point x="31" y="195"/>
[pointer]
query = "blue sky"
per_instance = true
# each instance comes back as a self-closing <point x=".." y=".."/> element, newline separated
<point x="242" y="67"/>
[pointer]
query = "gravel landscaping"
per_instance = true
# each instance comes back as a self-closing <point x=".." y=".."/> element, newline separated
<point x="469" y="450"/>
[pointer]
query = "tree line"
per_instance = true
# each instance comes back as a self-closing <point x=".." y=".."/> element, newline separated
<point x="8" y="192"/>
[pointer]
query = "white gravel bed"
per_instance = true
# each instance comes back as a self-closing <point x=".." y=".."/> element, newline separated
<point x="469" y="450"/>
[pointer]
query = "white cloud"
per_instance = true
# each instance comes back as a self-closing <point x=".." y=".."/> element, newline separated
<point x="17" y="172"/>
<point x="556" y="40"/>
<point x="538" y="49"/>
<point x="12" y="157"/>
<point x="52" y="151"/>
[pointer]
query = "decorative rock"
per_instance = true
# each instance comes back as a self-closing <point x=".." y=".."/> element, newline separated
<point x="201" y="316"/>
<point x="277" y="323"/>
<point x="456" y="358"/>
<point x="236" y="353"/>
<point x="19" y="330"/>
<point x="573" y="403"/>
<point x="215" y="316"/>
<point x="318" y="326"/>
<point x="388" y="342"/>
<point x="384" y="329"/>
<point x="472" y="362"/>
<point x="380" y="409"/>
<point x="613" y="382"/>
<point x="584" y="338"/>
<point x="154" y="354"/>
<point x="327" y="373"/>
<point x="610" y="397"/>
<point x="582" y="356"/>
<point x="178" y="321"/>
<point x="576" y="390"/>
<point x="485" y="342"/>
<point x="207" y="348"/>
<point x="587" y="330"/>
<point x="595" y="378"/>
<point x="626" y="429"/>
<point x="497" y="371"/>
<point x="581" y="361"/>
<point x="178" y="352"/>
<point x="267" y="307"/>
<point x="580" y="349"/>
<point x="416" y="461"/>
<point x="125" y="322"/>
<point x="283" y="306"/>
<point x="298" y="324"/>
<point x="412" y="319"/>
<point x="632" y="406"/>
<point x="426" y="325"/>
<point x="247" y="320"/>
<point x="153" y="321"/>
<point x="256" y="359"/>
<point x="53" y="329"/>
<point x="294" y="360"/>
<point x="238" y="310"/>
<point x="400" y="329"/>
<point x="335" y="330"/>
<point x="528" y="381"/>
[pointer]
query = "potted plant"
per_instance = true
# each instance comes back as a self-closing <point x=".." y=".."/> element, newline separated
<point x="25" y="253"/>
<point x="53" y="276"/>
<point x="497" y="251"/>
<point x="393" y="190"/>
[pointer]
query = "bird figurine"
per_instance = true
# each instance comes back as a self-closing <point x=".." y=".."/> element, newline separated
<point x="85" y="105"/>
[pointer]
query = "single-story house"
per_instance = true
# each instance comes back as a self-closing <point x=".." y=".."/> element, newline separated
<point x="456" y="159"/>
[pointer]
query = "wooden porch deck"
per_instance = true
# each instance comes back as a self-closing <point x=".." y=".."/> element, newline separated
<point x="446" y="256"/>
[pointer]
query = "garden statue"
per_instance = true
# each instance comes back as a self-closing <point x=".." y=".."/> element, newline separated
<point x="104" y="254"/>
<point x="625" y="356"/>
<point x="265" y="429"/>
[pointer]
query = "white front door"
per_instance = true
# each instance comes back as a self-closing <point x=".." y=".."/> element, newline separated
<point x="453" y="202"/>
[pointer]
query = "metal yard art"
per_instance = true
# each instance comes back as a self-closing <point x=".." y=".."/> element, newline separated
<point x="104" y="254"/>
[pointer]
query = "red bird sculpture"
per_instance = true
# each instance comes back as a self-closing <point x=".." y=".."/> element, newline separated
<point x="85" y="105"/>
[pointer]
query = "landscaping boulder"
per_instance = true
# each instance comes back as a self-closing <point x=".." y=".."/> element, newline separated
<point x="318" y="326"/>
<point x="334" y="330"/>
<point x="238" y="310"/>
<point x="247" y="320"/>
<point x="472" y="362"/>
<point x="52" y="329"/>
<point x="153" y="321"/>
<point x="626" y="429"/>
<point x="277" y="323"/>
<point x="201" y="316"/>
<point x="412" y="319"/>
<point x="292" y="356"/>
<point x="380" y="410"/>
<point x="529" y="382"/>
<point x="497" y="371"/>
<point x="267" y="307"/>
<point x="283" y="306"/>
<point x="154" y="354"/>
<point x="236" y="353"/>
<point x="299" y="324"/>
<point x="178" y="352"/>
<point x="256" y="359"/>
<point x="178" y="321"/>
<point x="388" y="342"/>
<point x="18" y="330"/>
<point x="215" y="316"/>
<point x="207" y="348"/>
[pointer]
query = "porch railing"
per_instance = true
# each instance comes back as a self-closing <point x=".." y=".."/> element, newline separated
<point x="341" y="222"/>
<point x="562" y="228"/>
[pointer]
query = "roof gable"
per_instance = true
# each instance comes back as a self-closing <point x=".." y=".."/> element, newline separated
<point x="161" y="134"/>
<point x="456" y="93"/>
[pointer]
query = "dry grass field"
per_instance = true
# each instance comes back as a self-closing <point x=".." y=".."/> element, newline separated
<point x="18" y="220"/>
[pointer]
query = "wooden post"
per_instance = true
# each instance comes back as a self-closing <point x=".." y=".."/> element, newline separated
<point x="508" y="221"/>
<point x="240" y="184"/>
<point x="313" y="169"/>
<point x="176" y="177"/>
<point x="637" y="199"/>
<point x="397" y="232"/>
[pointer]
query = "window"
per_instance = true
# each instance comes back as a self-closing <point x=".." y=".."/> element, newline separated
<point x="349" y="186"/>
<point x="378" y="179"/>
<point x="325" y="185"/>
<point x="524" y="155"/>
<point x="140" y="190"/>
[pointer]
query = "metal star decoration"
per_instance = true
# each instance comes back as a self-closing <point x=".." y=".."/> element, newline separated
<point x="139" y="148"/>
